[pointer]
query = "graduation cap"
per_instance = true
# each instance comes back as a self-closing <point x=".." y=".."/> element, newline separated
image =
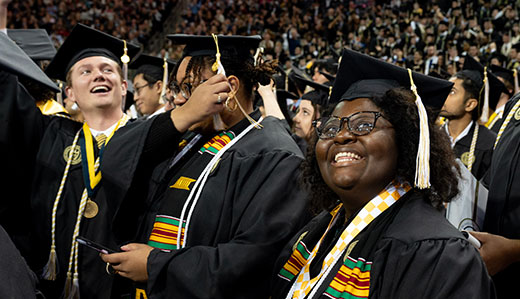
<point x="233" y="46"/>
<point x="36" y="43"/>
<point x="483" y="79"/>
<point x="281" y="97"/>
<point x="156" y="68"/>
<point x="505" y="74"/>
<point x="84" y="42"/>
<point x="298" y="85"/>
<point x="318" y="95"/>
<point x="15" y="61"/>
<point x="362" y="76"/>
<point x="329" y="77"/>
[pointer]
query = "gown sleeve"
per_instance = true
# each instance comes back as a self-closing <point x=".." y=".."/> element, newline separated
<point x="415" y="270"/>
<point x="266" y="207"/>
<point x="21" y="129"/>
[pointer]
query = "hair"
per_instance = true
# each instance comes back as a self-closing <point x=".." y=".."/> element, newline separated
<point x="398" y="107"/>
<point x="244" y="69"/>
<point x="68" y="78"/>
<point x="151" y="74"/>
<point x="471" y="91"/>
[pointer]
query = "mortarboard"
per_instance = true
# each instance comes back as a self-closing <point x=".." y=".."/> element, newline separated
<point x="84" y="42"/>
<point x="282" y="96"/>
<point x="506" y="74"/>
<point x="362" y="76"/>
<point x="15" y="61"/>
<point x="36" y="43"/>
<point x="318" y="95"/>
<point x="233" y="46"/>
<point x="329" y="77"/>
<point x="476" y="72"/>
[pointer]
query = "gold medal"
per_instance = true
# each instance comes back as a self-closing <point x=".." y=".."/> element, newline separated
<point x="517" y="114"/>
<point x="464" y="158"/>
<point x="76" y="154"/>
<point x="91" y="209"/>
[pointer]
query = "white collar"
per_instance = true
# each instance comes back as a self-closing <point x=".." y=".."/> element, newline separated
<point x="107" y="132"/>
<point x="461" y="135"/>
<point x="159" y="111"/>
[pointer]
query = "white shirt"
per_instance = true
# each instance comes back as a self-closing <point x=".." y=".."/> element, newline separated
<point x="107" y="132"/>
<point x="159" y="111"/>
<point x="461" y="135"/>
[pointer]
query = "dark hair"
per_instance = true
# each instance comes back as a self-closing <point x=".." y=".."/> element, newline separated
<point x="245" y="70"/>
<point x="151" y="74"/>
<point x="471" y="91"/>
<point x="398" y="106"/>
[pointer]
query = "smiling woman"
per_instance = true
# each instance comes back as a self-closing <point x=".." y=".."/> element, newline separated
<point x="380" y="236"/>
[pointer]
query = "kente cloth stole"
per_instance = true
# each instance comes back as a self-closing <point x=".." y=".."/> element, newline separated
<point x="166" y="227"/>
<point x="353" y="278"/>
<point x="90" y="164"/>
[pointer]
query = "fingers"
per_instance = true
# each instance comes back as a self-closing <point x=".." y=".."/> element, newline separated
<point x="114" y="258"/>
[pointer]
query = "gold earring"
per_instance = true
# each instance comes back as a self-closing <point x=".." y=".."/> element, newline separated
<point x="226" y="103"/>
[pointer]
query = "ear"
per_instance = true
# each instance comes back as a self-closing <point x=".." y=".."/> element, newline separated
<point x="158" y="86"/>
<point x="70" y="94"/>
<point x="124" y="87"/>
<point x="235" y="84"/>
<point x="470" y="105"/>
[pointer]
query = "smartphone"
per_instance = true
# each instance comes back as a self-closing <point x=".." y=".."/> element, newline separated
<point x="93" y="245"/>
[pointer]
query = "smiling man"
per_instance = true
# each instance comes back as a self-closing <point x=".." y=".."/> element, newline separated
<point x="81" y="172"/>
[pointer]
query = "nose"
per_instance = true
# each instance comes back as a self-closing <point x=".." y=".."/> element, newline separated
<point x="100" y="75"/>
<point x="344" y="135"/>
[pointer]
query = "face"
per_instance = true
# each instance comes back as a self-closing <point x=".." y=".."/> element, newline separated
<point x="319" y="77"/>
<point x="96" y="84"/>
<point x="146" y="95"/>
<point x="302" y="121"/>
<point x="179" y="99"/>
<point x="358" y="165"/>
<point x="454" y="106"/>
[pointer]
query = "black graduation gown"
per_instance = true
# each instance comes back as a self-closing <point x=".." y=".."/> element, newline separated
<point x="249" y="208"/>
<point x="131" y="154"/>
<point x="18" y="281"/>
<point x="483" y="150"/>
<point x="503" y="206"/>
<point x="418" y="254"/>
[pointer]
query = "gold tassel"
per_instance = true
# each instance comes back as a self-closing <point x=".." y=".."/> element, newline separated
<point x="422" y="168"/>
<point x="73" y="289"/>
<point x="162" y="100"/>
<point x="49" y="271"/>
<point x="515" y="75"/>
<point x="59" y="95"/>
<point x="485" y="108"/>
<point x="125" y="59"/>
<point x="68" y="285"/>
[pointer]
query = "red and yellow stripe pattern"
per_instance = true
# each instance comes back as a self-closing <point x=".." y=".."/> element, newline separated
<point x="217" y="143"/>
<point x="164" y="232"/>
<point x="351" y="281"/>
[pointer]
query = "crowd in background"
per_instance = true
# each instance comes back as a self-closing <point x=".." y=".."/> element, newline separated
<point x="425" y="36"/>
<point x="134" y="21"/>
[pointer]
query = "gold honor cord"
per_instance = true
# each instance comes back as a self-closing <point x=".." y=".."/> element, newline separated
<point x="422" y="168"/>
<point x="506" y="122"/>
<point x="471" y="158"/>
<point x="303" y="284"/>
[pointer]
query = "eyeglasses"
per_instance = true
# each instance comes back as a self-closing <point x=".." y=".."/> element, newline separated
<point x="184" y="89"/>
<point x="137" y="89"/>
<point x="359" y="124"/>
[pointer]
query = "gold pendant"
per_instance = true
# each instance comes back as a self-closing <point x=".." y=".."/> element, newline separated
<point x="349" y="249"/>
<point x="91" y="209"/>
<point x="517" y="114"/>
<point x="76" y="154"/>
<point x="298" y="241"/>
<point x="464" y="158"/>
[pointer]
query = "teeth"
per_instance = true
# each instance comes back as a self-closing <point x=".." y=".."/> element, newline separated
<point x="346" y="156"/>
<point x="100" y="88"/>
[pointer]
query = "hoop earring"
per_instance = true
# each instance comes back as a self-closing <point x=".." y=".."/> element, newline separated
<point x="226" y="103"/>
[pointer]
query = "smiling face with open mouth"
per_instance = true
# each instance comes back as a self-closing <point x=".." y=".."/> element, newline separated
<point x="357" y="168"/>
<point x="96" y="84"/>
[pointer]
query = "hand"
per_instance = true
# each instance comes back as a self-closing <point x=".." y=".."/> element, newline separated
<point x="132" y="262"/>
<point x="203" y="102"/>
<point x="497" y="252"/>
<point x="266" y="90"/>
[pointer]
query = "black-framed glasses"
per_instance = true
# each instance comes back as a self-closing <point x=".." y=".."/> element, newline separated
<point x="137" y="89"/>
<point x="184" y="89"/>
<point x="359" y="124"/>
